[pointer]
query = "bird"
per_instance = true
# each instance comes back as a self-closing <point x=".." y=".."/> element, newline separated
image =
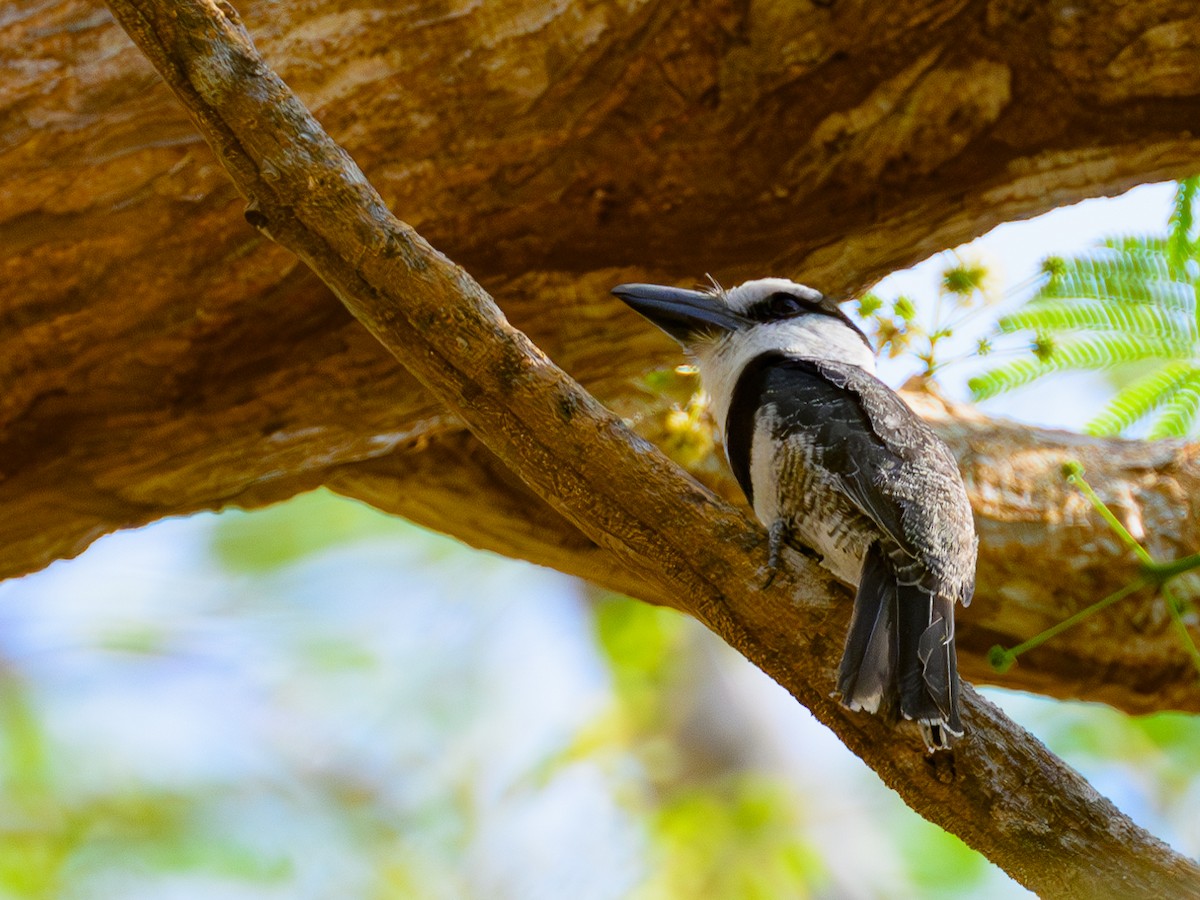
<point x="837" y="466"/>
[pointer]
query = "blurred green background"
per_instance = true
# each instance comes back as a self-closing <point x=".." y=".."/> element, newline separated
<point x="316" y="700"/>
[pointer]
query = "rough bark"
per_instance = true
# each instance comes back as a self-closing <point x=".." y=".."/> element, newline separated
<point x="1000" y="789"/>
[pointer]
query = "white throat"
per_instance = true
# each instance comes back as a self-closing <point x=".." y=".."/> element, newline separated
<point x="721" y="362"/>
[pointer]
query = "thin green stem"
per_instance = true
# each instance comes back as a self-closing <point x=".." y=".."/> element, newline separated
<point x="974" y="354"/>
<point x="972" y="312"/>
<point x="1054" y="630"/>
<point x="1014" y="289"/>
<point x="937" y="319"/>
<point x="1185" y="636"/>
<point x="1075" y="476"/>
<point x="1165" y="571"/>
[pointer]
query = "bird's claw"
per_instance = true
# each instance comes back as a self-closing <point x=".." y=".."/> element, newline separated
<point x="776" y="538"/>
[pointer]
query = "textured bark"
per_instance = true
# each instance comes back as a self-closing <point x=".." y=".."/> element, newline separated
<point x="1000" y="789"/>
<point x="158" y="356"/>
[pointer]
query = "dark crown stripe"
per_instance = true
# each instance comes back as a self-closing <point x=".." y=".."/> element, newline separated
<point x="762" y="312"/>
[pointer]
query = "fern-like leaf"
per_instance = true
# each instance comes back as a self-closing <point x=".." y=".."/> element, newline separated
<point x="1180" y="247"/>
<point x="1088" y="351"/>
<point x="1146" y="279"/>
<point x="1007" y="377"/>
<point x="1139" y="398"/>
<point x="1134" y="297"/>
<point x="1179" y="412"/>
<point x="1146" y="262"/>
<point x="1099" y="351"/>
<point x="1098" y="315"/>
<point x="1137" y="244"/>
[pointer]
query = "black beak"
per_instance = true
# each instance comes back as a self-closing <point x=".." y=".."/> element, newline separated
<point x="682" y="314"/>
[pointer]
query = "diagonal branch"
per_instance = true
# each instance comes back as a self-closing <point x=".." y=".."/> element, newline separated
<point x="1001" y="791"/>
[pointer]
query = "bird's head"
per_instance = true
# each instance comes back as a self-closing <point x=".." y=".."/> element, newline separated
<point x="725" y="329"/>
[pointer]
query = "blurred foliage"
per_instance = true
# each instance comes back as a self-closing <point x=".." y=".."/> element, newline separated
<point x="737" y="839"/>
<point x="689" y="433"/>
<point x="643" y="646"/>
<point x="684" y="430"/>
<point x="277" y="535"/>
<point x="52" y="839"/>
<point x="968" y="287"/>
<point x="1132" y="302"/>
<point x="940" y="863"/>
<point x="365" y="740"/>
<point x="720" y="830"/>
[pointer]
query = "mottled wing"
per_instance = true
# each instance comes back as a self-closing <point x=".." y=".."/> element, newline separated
<point x="829" y="420"/>
<point x="921" y="483"/>
<point x="882" y="457"/>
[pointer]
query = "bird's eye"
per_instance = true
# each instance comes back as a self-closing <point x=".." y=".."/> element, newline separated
<point x="783" y="305"/>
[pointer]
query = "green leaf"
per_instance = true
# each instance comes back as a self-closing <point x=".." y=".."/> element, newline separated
<point x="869" y="304"/>
<point x="1179" y="412"/>
<point x="1053" y="266"/>
<point x="965" y="278"/>
<point x="1139" y="398"/>
<point x="1098" y="351"/>
<point x="1180" y="247"/>
<point x="1042" y="347"/>
<point x="1133" y="298"/>
<point x="1137" y="244"/>
<point x="1077" y="315"/>
<point x="1093" y="351"/>
<point x="1007" y="377"/>
<point x="1134" y="277"/>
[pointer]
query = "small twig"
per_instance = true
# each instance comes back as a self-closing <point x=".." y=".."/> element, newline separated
<point x="1003" y="658"/>
<point x="1154" y="574"/>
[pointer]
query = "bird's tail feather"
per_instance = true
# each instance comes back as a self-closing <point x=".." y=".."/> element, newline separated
<point x="865" y="676"/>
<point x="899" y="658"/>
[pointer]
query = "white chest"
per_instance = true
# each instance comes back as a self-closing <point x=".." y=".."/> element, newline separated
<point x="818" y="514"/>
<point x="722" y="362"/>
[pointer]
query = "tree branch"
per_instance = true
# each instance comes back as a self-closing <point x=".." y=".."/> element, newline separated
<point x="1001" y="791"/>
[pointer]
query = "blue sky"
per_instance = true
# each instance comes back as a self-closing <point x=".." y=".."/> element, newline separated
<point x="1014" y="251"/>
